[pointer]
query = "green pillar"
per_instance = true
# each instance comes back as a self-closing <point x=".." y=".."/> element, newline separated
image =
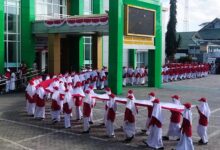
<point x="155" y="56"/>
<point x="132" y="58"/>
<point x="116" y="28"/>
<point x="97" y="6"/>
<point x="2" y="49"/>
<point x="27" y="39"/>
<point x="77" y="8"/>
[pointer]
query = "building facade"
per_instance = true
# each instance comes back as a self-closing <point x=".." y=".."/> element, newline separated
<point x="64" y="35"/>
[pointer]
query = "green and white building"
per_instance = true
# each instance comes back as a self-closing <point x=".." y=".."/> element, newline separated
<point x="68" y="34"/>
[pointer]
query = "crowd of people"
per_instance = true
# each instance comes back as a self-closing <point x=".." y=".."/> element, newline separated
<point x="64" y="92"/>
<point x="134" y="76"/>
<point x="177" y="71"/>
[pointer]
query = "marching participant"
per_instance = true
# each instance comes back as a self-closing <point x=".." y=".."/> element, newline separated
<point x="56" y="105"/>
<point x="78" y="92"/>
<point x="103" y="78"/>
<point x="129" y="118"/>
<point x="111" y="112"/>
<point x="40" y="103"/>
<point x="67" y="108"/>
<point x="87" y="106"/>
<point x="137" y="75"/>
<point x="124" y="76"/>
<point x="130" y="75"/>
<point x="155" y="126"/>
<point x="12" y="81"/>
<point x="143" y="74"/>
<point x="151" y="97"/>
<point x="93" y="103"/>
<point x="8" y="77"/>
<point x="185" y="142"/>
<point x="30" y="92"/>
<point x="107" y="91"/>
<point x="204" y="113"/>
<point x="94" y="76"/>
<point x="174" y="126"/>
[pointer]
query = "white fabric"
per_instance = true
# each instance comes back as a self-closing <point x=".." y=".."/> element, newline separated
<point x="130" y="105"/>
<point x="185" y="143"/>
<point x="67" y="118"/>
<point x="202" y="132"/>
<point x="204" y="109"/>
<point x="78" y="112"/>
<point x="155" y="137"/>
<point x="110" y="128"/>
<point x="12" y="81"/>
<point x="30" y="108"/>
<point x="86" y="125"/>
<point x="55" y="115"/>
<point x="39" y="112"/>
<point x="174" y="130"/>
<point x="129" y="129"/>
<point x="157" y="112"/>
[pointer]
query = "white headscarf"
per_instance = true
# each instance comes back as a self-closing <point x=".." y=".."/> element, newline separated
<point x="204" y="109"/>
<point x="157" y="112"/>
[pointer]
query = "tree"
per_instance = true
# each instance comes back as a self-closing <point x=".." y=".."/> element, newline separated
<point x="171" y="42"/>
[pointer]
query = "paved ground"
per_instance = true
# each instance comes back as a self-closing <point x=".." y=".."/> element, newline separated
<point x="19" y="131"/>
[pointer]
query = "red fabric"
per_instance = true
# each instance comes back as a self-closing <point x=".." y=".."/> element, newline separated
<point x="86" y="110"/>
<point x="175" y="117"/>
<point x="66" y="108"/>
<point x="155" y="121"/>
<point x="55" y="106"/>
<point x="78" y="101"/>
<point x="111" y="115"/>
<point x="186" y="127"/>
<point x="203" y="120"/>
<point x="8" y="75"/>
<point x="149" y="112"/>
<point x="31" y="99"/>
<point x="129" y="116"/>
<point x="61" y="96"/>
<point x="40" y="102"/>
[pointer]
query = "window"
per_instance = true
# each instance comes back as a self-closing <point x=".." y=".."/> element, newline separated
<point x="87" y="7"/>
<point x="88" y="50"/>
<point x="142" y="58"/>
<point x="50" y="9"/>
<point x="12" y="33"/>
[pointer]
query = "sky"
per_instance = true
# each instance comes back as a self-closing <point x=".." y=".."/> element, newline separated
<point x="200" y="11"/>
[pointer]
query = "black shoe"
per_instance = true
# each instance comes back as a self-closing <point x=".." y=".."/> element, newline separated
<point x="178" y="139"/>
<point x="161" y="148"/>
<point x="143" y="130"/>
<point x="129" y="139"/>
<point x="145" y="143"/>
<point x="200" y="141"/>
<point x="54" y="122"/>
<point x="90" y="122"/>
<point x="85" y="131"/>
<point x="166" y="138"/>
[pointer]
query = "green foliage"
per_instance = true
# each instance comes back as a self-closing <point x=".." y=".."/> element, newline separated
<point x="171" y="42"/>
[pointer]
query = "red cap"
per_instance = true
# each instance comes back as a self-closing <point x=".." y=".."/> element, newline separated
<point x="175" y="96"/>
<point x="187" y="105"/>
<point x="130" y="91"/>
<point x="130" y="97"/>
<point x="151" y="94"/>
<point x="203" y="99"/>
<point x="91" y="87"/>
<point x="31" y="82"/>
<point x="66" y="90"/>
<point x="108" y="89"/>
<point x="55" y="87"/>
<point x="156" y="101"/>
<point x="87" y="91"/>
<point x="112" y="95"/>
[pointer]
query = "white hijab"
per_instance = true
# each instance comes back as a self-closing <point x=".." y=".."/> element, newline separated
<point x="157" y="112"/>
<point x="204" y="109"/>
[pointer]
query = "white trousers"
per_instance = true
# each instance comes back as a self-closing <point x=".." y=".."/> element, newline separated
<point x="155" y="137"/>
<point x="31" y="108"/>
<point x="185" y="143"/>
<point x="39" y="112"/>
<point x="55" y="115"/>
<point x="129" y="129"/>
<point x="202" y="132"/>
<point x="110" y="128"/>
<point x="78" y="112"/>
<point x="67" y="120"/>
<point x="174" y="130"/>
<point x="86" y="125"/>
<point x="7" y="86"/>
<point x="102" y="84"/>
